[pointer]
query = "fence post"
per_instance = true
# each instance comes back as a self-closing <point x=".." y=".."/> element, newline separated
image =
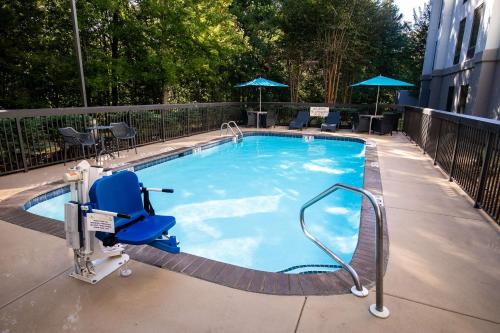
<point x="21" y="144"/>
<point x="188" y="122"/>
<point x="453" y="159"/>
<point x="427" y="133"/>
<point x="437" y="141"/>
<point x="162" y="117"/>
<point x="484" y="167"/>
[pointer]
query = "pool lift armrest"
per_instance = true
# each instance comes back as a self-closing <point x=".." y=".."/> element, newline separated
<point x="147" y="202"/>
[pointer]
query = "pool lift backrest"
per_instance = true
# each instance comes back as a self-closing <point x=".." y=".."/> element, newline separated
<point x="91" y="263"/>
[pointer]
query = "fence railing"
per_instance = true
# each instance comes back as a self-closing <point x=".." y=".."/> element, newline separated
<point x="29" y="138"/>
<point x="466" y="148"/>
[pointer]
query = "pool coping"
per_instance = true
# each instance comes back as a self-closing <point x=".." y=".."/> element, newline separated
<point x="338" y="282"/>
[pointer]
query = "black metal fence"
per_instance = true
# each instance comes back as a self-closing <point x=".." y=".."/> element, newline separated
<point x="466" y="148"/>
<point x="30" y="139"/>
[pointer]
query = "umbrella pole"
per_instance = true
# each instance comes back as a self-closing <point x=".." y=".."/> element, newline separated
<point x="376" y="104"/>
<point x="260" y="105"/>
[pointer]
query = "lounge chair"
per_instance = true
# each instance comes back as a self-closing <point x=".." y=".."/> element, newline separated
<point x="301" y="121"/>
<point x="72" y="137"/>
<point x="121" y="192"/>
<point x="331" y="122"/>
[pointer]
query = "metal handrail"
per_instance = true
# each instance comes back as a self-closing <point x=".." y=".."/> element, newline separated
<point x="377" y="309"/>
<point x="228" y="127"/>
<point x="236" y="126"/>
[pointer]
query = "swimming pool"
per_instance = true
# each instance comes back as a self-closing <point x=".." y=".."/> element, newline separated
<point x="239" y="203"/>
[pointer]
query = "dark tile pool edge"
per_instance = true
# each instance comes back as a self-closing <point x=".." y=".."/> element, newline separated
<point x="12" y="210"/>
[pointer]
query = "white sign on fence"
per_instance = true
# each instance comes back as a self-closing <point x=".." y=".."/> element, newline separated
<point x="100" y="222"/>
<point x="319" y="111"/>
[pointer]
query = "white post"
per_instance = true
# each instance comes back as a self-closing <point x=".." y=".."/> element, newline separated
<point x="376" y="104"/>
<point x="260" y="105"/>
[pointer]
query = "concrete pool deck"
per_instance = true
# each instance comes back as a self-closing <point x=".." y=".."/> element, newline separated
<point x="443" y="271"/>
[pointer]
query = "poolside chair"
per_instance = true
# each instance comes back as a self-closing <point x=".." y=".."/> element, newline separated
<point x="72" y="137"/>
<point x="121" y="192"/>
<point x="331" y="122"/>
<point x="385" y="124"/>
<point x="122" y="131"/>
<point x="360" y="124"/>
<point x="251" y="119"/>
<point x="301" y="121"/>
<point x="271" y="119"/>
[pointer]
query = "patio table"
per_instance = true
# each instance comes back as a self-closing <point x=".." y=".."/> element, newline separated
<point x="371" y="116"/>
<point x="98" y="134"/>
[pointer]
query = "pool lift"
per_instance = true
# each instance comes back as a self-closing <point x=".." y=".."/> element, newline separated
<point x="90" y="218"/>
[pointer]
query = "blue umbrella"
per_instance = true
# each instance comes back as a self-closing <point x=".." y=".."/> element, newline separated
<point x="261" y="82"/>
<point x="384" y="82"/>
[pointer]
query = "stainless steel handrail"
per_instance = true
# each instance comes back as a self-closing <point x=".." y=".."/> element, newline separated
<point x="378" y="309"/>
<point x="228" y="127"/>
<point x="236" y="126"/>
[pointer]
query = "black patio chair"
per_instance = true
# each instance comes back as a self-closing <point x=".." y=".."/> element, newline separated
<point x="331" y="122"/>
<point x="360" y="124"/>
<point x="271" y="119"/>
<point x="72" y="137"/>
<point x="122" y="131"/>
<point x="385" y="124"/>
<point x="301" y="121"/>
<point x="251" y="119"/>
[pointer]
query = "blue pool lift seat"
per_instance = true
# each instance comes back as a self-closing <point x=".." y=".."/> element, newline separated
<point x="121" y="192"/>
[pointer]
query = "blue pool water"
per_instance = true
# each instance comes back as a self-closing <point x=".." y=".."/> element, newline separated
<point x="239" y="203"/>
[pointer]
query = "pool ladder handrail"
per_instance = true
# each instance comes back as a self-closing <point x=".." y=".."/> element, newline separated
<point x="378" y="309"/>
<point x="238" y="135"/>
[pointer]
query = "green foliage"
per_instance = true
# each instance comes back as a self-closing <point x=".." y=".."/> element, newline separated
<point x="175" y="51"/>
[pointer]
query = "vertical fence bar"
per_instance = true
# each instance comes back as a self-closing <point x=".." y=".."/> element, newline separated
<point x="484" y="167"/>
<point x="437" y="141"/>
<point x="453" y="159"/>
<point x="21" y="144"/>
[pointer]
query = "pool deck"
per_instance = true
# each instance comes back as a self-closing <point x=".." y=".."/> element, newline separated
<point x="443" y="271"/>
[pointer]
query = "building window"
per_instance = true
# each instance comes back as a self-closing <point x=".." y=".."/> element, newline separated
<point x="449" y="99"/>
<point x="458" y="47"/>
<point x="478" y="15"/>
<point x="462" y="101"/>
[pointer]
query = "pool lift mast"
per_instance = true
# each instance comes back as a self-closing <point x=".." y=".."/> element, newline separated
<point x="91" y="263"/>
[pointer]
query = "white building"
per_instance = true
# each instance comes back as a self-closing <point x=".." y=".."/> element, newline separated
<point x="462" y="58"/>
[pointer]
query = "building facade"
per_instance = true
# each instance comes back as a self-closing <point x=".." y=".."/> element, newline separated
<point x="461" y="70"/>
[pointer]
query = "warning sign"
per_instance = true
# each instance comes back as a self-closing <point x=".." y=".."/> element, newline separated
<point x="100" y="222"/>
<point x="319" y="111"/>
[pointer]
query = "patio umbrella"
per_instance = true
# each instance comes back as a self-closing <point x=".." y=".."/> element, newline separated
<point x="382" y="81"/>
<point x="261" y="82"/>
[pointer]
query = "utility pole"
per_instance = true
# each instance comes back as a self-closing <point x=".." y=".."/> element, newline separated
<point x="78" y="51"/>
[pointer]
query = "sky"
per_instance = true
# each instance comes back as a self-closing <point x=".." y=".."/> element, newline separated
<point x="406" y="7"/>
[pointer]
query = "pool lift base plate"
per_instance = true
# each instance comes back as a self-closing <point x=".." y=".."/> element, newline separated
<point x="102" y="268"/>
<point x="379" y="314"/>
<point x="359" y="293"/>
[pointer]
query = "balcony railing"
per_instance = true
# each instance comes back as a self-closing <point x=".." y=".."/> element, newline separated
<point x="466" y="148"/>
